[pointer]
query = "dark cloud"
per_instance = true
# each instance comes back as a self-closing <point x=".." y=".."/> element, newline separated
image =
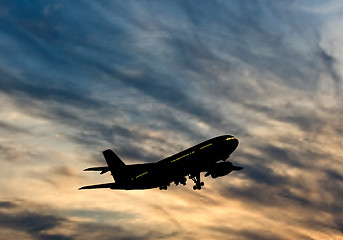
<point x="32" y="223"/>
<point x="305" y="118"/>
<point x="264" y="174"/>
<point x="169" y="120"/>
<point x="11" y="154"/>
<point x="269" y="184"/>
<point x="255" y="34"/>
<point x="334" y="175"/>
<point x="163" y="89"/>
<point x="37" y="91"/>
<point x="106" y="73"/>
<point x="330" y="63"/>
<point x="243" y="233"/>
<point x="44" y="224"/>
<point x="282" y="155"/>
<point x="259" y="235"/>
<point x="255" y="194"/>
<point x="237" y="35"/>
<point x="63" y="171"/>
<point x="6" y="204"/>
<point x="11" y="128"/>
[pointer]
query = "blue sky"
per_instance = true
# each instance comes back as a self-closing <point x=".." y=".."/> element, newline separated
<point x="151" y="78"/>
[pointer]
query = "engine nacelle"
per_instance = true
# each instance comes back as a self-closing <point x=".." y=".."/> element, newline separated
<point x="220" y="169"/>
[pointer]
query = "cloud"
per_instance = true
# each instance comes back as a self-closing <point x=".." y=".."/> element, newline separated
<point x="151" y="79"/>
<point x="47" y="224"/>
<point x="6" y="204"/>
<point x="249" y="234"/>
<point x="32" y="223"/>
<point x="11" y="128"/>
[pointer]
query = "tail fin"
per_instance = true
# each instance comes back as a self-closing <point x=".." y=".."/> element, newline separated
<point x="114" y="163"/>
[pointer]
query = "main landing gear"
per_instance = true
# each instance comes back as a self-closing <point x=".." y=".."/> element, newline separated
<point x="182" y="181"/>
<point x="164" y="187"/>
<point x="196" y="180"/>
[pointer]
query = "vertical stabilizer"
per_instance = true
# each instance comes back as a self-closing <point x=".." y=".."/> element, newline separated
<point x="114" y="163"/>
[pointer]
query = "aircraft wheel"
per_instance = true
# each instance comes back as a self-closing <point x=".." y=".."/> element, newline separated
<point x="183" y="181"/>
<point x="160" y="188"/>
<point x="195" y="187"/>
<point x="202" y="183"/>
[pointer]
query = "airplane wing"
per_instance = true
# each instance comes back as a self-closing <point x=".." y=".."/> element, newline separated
<point x="104" y="185"/>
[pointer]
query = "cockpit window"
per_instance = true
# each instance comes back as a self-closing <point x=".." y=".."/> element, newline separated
<point x="229" y="138"/>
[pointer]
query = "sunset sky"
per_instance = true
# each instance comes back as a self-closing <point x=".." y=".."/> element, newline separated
<point x="151" y="78"/>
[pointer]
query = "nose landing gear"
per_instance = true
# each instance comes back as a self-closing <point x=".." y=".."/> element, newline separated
<point x="198" y="187"/>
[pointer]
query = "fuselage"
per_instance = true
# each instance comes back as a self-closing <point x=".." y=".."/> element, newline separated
<point x="198" y="158"/>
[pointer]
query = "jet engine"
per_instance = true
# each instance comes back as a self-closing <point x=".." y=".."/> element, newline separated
<point x="221" y="169"/>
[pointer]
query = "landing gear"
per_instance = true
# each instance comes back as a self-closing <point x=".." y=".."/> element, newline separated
<point x="182" y="181"/>
<point x="196" y="179"/>
<point x="196" y="187"/>
<point x="163" y="188"/>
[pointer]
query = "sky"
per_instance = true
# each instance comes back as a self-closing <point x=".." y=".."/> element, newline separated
<point x="151" y="78"/>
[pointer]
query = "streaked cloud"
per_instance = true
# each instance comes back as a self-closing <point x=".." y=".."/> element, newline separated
<point x="149" y="79"/>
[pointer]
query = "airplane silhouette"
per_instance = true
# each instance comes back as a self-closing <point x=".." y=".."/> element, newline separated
<point x="209" y="156"/>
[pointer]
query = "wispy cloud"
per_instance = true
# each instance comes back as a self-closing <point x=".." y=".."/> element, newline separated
<point x="149" y="79"/>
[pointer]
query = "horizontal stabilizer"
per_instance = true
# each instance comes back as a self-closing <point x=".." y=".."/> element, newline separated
<point x="104" y="185"/>
<point x="102" y="169"/>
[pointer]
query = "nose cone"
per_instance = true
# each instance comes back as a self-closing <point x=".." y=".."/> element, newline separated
<point x="230" y="143"/>
<point x="233" y="143"/>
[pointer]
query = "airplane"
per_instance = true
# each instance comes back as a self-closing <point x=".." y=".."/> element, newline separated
<point x="209" y="156"/>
